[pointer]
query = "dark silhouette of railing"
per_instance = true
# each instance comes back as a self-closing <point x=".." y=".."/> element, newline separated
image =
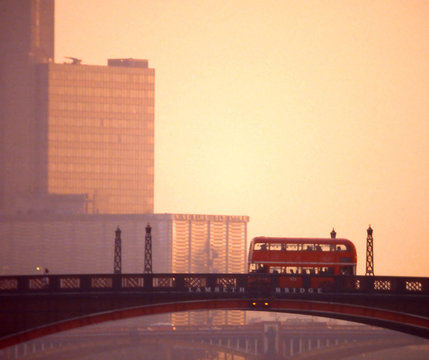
<point x="259" y="284"/>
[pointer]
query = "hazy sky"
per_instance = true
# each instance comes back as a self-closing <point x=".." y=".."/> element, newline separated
<point x="303" y="115"/>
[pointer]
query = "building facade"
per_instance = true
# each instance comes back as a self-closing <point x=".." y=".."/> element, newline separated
<point x="75" y="243"/>
<point x="99" y="122"/>
<point x="209" y="244"/>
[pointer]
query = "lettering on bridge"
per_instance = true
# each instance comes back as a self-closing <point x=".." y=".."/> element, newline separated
<point x="298" y="290"/>
<point x="242" y="290"/>
<point x="216" y="289"/>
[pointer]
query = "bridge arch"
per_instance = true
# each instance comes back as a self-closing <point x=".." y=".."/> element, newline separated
<point x="389" y="319"/>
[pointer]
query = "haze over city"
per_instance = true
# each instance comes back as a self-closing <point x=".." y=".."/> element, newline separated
<point x="146" y="146"/>
<point x="303" y="115"/>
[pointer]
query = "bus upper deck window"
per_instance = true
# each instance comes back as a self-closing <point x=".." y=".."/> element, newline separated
<point x="292" y="270"/>
<point x="292" y="247"/>
<point x="277" y="269"/>
<point x="324" y="247"/>
<point x="260" y="246"/>
<point x="342" y="247"/>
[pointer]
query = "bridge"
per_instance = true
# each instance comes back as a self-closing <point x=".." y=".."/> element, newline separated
<point x="35" y="306"/>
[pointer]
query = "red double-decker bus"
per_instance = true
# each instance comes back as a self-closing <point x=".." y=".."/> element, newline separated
<point x="323" y="258"/>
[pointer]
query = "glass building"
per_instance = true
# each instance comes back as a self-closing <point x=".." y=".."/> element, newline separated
<point x="208" y="244"/>
<point x="99" y="124"/>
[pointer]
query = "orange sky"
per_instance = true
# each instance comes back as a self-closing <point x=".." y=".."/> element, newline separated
<point x="303" y="115"/>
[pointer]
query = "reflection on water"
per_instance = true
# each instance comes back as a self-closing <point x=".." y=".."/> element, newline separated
<point x="414" y="352"/>
<point x="144" y="338"/>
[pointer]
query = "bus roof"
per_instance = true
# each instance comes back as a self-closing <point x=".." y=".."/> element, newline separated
<point x="289" y="240"/>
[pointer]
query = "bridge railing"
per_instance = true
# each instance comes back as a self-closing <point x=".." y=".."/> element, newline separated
<point x="407" y="285"/>
<point x="257" y="284"/>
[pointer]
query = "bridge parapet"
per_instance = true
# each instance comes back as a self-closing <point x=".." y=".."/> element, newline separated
<point x="259" y="284"/>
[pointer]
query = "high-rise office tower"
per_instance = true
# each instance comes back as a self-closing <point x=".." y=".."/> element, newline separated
<point x="26" y="38"/>
<point x="99" y="122"/>
<point x="75" y="138"/>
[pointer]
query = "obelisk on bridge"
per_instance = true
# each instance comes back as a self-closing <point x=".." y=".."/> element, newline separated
<point x="117" y="261"/>
<point x="369" y="253"/>
<point x="148" y="251"/>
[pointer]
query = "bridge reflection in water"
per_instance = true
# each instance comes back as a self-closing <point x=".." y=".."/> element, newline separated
<point x="287" y="339"/>
<point x="34" y="306"/>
